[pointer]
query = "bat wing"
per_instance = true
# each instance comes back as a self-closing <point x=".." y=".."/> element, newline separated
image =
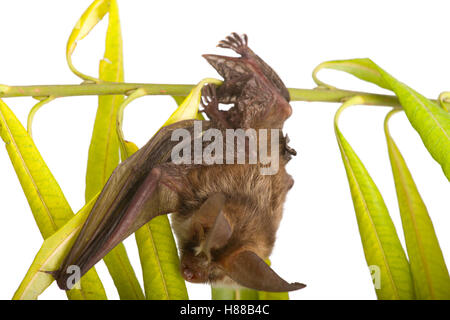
<point x="142" y="187"/>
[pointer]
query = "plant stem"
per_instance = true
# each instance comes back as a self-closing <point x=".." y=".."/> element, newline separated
<point x="111" y="88"/>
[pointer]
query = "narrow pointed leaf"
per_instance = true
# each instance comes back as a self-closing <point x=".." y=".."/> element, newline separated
<point x="221" y="293"/>
<point x="46" y="199"/>
<point x="93" y="14"/>
<point x="179" y="99"/>
<point x="382" y="247"/>
<point x="427" y="118"/>
<point x="360" y="68"/>
<point x="188" y="109"/>
<point x="50" y="256"/>
<point x="430" y="274"/>
<point x="104" y="148"/>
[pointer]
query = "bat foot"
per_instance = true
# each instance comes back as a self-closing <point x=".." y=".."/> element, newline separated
<point x="210" y="105"/>
<point x="235" y="42"/>
<point x="209" y="98"/>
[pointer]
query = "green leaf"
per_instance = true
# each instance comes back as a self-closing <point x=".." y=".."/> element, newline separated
<point x="223" y="293"/>
<point x="159" y="257"/>
<point x="430" y="274"/>
<point x="179" y="99"/>
<point x="360" y="68"/>
<point x="46" y="199"/>
<point x="428" y="119"/>
<point x="51" y="255"/>
<point x="264" y="295"/>
<point x="93" y="14"/>
<point x="188" y="109"/>
<point x="104" y="148"/>
<point x="382" y="247"/>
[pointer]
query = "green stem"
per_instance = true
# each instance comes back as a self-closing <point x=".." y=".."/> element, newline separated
<point x="111" y="88"/>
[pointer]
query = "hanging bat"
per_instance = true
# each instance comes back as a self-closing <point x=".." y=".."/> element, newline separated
<point x="225" y="216"/>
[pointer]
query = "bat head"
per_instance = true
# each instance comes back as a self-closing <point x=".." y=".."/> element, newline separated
<point x="210" y="252"/>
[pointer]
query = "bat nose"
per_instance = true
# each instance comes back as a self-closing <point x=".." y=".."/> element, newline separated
<point x="188" y="274"/>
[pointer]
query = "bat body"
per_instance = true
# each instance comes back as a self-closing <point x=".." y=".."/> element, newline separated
<point x="225" y="216"/>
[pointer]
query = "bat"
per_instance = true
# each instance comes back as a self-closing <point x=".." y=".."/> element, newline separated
<point x="224" y="216"/>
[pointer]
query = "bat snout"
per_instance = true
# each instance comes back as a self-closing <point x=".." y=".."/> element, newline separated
<point x="192" y="275"/>
<point x="194" y="269"/>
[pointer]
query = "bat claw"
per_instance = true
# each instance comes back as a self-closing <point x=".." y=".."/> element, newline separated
<point x="235" y="42"/>
<point x="209" y="97"/>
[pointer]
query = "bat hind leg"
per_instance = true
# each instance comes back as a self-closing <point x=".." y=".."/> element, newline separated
<point x="236" y="42"/>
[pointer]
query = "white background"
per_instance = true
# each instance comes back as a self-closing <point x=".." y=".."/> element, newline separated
<point x="318" y="241"/>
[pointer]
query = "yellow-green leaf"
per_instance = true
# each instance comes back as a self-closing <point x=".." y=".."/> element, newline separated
<point x="93" y="14"/>
<point x="46" y="199"/>
<point x="51" y="255"/>
<point x="430" y="274"/>
<point x="188" y="109"/>
<point x="223" y="293"/>
<point x="428" y="119"/>
<point x="360" y="68"/>
<point x="104" y="148"/>
<point x="382" y="247"/>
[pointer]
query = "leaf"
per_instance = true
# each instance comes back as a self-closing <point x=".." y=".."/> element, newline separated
<point x="93" y="14"/>
<point x="104" y="148"/>
<point x="46" y="199"/>
<point x="264" y="295"/>
<point x="360" y="68"/>
<point x="159" y="257"/>
<point x="428" y="119"/>
<point x="179" y="99"/>
<point x="382" y="247"/>
<point x="223" y="293"/>
<point x="51" y="255"/>
<point x="430" y="274"/>
<point x="444" y="101"/>
<point x="188" y="109"/>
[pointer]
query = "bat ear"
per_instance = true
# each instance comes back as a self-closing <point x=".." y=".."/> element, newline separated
<point x="219" y="234"/>
<point x="249" y="270"/>
<point x="211" y="217"/>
